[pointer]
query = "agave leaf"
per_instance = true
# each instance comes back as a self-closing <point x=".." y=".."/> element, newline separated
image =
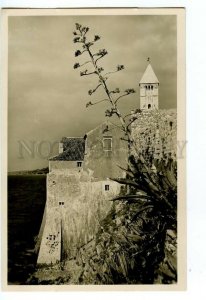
<point x="153" y="179"/>
<point x="172" y="262"/>
<point x="128" y="171"/>
<point x="171" y="178"/>
<point x="168" y="174"/>
<point x="144" y="207"/>
<point x="124" y="181"/>
<point x="151" y="185"/>
<point x="132" y="197"/>
<point x="164" y="182"/>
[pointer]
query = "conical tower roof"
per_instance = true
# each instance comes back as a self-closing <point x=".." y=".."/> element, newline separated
<point x="149" y="76"/>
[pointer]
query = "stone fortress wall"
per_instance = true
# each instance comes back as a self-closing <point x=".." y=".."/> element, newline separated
<point x="155" y="134"/>
<point x="75" y="205"/>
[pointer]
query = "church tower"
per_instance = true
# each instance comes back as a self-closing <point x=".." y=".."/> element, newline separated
<point x="149" y="85"/>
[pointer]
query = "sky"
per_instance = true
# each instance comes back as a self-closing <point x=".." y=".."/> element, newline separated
<point x="47" y="97"/>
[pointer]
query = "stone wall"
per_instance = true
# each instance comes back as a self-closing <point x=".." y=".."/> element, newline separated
<point x="155" y="134"/>
<point x="61" y="164"/>
<point x="76" y="203"/>
<point x="102" y="163"/>
<point x="50" y="247"/>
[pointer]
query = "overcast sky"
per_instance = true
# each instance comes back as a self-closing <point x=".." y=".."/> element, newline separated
<point x="47" y="96"/>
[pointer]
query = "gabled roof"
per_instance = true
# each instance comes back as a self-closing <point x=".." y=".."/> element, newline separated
<point x="73" y="149"/>
<point x="149" y="76"/>
<point x="106" y="127"/>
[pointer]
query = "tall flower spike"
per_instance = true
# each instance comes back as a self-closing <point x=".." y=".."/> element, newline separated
<point x="77" y="53"/>
<point x="130" y="91"/>
<point x="88" y="103"/>
<point x="78" y="26"/>
<point x="76" y="65"/>
<point x="117" y="90"/>
<point x="96" y="38"/>
<point x="108" y="113"/>
<point x="120" y="67"/>
<point x="76" y="39"/>
<point x="100" y="69"/>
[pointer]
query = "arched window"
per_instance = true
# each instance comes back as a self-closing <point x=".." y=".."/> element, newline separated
<point x="149" y="106"/>
<point x="152" y="87"/>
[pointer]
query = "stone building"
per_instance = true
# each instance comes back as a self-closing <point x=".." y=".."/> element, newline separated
<point x="149" y="89"/>
<point x="154" y="130"/>
<point x="79" y="189"/>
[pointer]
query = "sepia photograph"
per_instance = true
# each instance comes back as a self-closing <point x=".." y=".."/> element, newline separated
<point x="95" y="148"/>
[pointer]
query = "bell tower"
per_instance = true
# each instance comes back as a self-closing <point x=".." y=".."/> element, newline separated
<point x="149" y="86"/>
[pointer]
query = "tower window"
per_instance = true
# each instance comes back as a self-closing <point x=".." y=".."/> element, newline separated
<point x="61" y="203"/>
<point x="149" y="106"/>
<point x="106" y="187"/>
<point x="107" y="144"/>
<point x="79" y="164"/>
<point x="151" y="87"/>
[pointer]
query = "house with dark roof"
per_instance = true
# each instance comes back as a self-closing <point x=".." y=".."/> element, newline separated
<point x="79" y="190"/>
<point x="71" y="154"/>
<point x="100" y="152"/>
<point x="71" y="148"/>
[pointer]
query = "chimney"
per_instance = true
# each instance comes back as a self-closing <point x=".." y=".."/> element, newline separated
<point x="61" y="149"/>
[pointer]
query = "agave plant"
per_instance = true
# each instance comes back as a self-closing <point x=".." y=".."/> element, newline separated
<point x="134" y="231"/>
<point x="157" y="188"/>
<point x="153" y="195"/>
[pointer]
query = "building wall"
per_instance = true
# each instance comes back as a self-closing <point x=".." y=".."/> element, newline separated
<point x="101" y="163"/>
<point x="149" y="96"/>
<point x="85" y="204"/>
<point x="50" y="246"/>
<point x="61" y="164"/>
<point x="155" y="134"/>
<point x="77" y="199"/>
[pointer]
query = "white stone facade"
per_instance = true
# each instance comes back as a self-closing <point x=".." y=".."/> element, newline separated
<point x="75" y="206"/>
<point x="149" y="90"/>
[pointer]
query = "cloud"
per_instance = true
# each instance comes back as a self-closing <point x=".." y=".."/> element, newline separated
<point x="47" y="96"/>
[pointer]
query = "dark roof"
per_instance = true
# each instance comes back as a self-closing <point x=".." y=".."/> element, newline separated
<point x="73" y="149"/>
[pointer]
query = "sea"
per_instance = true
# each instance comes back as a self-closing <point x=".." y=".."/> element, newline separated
<point x="26" y="202"/>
